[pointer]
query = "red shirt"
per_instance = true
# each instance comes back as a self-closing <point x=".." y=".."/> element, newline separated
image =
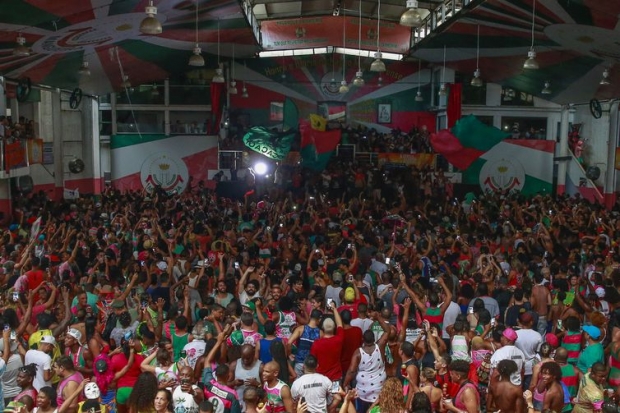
<point x="35" y="278"/>
<point x="119" y="361"/>
<point x="327" y="351"/>
<point x="352" y="342"/>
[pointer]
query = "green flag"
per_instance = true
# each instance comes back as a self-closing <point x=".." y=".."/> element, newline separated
<point x="273" y="145"/>
<point x="290" y="116"/>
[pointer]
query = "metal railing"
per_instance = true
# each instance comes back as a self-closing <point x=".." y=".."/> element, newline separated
<point x="437" y="17"/>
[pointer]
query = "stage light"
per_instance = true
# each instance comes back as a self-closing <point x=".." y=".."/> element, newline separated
<point x="260" y="168"/>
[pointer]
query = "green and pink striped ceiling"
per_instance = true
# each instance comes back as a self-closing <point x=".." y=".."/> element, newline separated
<point x="575" y="40"/>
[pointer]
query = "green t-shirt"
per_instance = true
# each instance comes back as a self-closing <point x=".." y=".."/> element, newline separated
<point x="592" y="354"/>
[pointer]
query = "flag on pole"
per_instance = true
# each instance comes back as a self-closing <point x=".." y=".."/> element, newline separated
<point x="317" y="147"/>
<point x="290" y="115"/>
<point x="36" y="227"/>
<point x="270" y="144"/>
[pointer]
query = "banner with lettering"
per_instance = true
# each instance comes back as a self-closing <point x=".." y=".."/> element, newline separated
<point x="15" y="155"/>
<point x="270" y="144"/>
<point x="418" y="160"/>
<point x="310" y="32"/>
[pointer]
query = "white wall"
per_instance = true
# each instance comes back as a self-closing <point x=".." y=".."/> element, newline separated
<point x="595" y="133"/>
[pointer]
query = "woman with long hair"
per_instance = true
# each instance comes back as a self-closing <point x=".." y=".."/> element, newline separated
<point x="94" y="341"/>
<point x="46" y="401"/>
<point x="127" y="376"/>
<point x="163" y="401"/>
<point x="142" y="398"/>
<point x="278" y="353"/>
<point x="166" y="369"/>
<point x="390" y="398"/>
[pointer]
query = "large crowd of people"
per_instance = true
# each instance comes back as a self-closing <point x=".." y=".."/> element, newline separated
<point x="310" y="300"/>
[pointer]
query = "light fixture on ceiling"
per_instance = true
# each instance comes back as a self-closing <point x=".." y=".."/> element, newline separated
<point x="378" y="65"/>
<point x="219" y="73"/>
<point x="233" y="84"/>
<point x="547" y="89"/>
<point x="442" y="89"/>
<point x="605" y="80"/>
<point x="196" y="58"/>
<point x="380" y="81"/>
<point x="336" y="11"/>
<point x="84" y="70"/>
<point x="344" y="88"/>
<point x="21" y="50"/>
<point x="477" y="81"/>
<point x="418" y="95"/>
<point x="359" y="80"/>
<point x="531" y="62"/>
<point x="411" y="17"/>
<point x="244" y="91"/>
<point x="125" y="83"/>
<point x="150" y="24"/>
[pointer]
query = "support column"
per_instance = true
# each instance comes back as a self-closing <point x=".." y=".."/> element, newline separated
<point x="59" y="159"/>
<point x="609" y="191"/>
<point x="2" y="97"/>
<point x="563" y="151"/>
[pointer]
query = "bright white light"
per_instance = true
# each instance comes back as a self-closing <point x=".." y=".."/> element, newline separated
<point x="260" y="168"/>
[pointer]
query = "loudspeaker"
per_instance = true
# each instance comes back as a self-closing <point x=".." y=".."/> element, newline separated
<point x="24" y="184"/>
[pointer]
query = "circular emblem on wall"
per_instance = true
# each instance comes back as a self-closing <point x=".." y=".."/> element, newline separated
<point x="502" y="175"/>
<point x="168" y="172"/>
<point x="330" y="84"/>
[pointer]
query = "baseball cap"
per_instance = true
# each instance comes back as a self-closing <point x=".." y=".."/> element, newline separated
<point x="592" y="331"/>
<point x="526" y="317"/>
<point x="101" y="366"/>
<point x="237" y="338"/>
<point x="75" y="334"/>
<point x="48" y="340"/>
<point x="329" y="325"/>
<point x="600" y="292"/>
<point x="297" y="267"/>
<point x="510" y="334"/>
<point x="91" y="390"/>
<point x="349" y="294"/>
<point x="552" y="339"/>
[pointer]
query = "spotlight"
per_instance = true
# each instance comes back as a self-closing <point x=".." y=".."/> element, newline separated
<point x="260" y="168"/>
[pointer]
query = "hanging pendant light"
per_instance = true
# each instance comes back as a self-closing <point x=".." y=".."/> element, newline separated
<point x="380" y="81"/>
<point x="233" y="84"/>
<point x="443" y="91"/>
<point x="196" y="58"/>
<point x="531" y="63"/>
<point x="359" y="80"/>
<point x="150" y="24"/>
<point x="418" y="96"/>
<point x="21" y="50"/>
<point x="411" y="17"/>
<point x="605" y="80"/>
<point x="477" y="81"/>
<point x="84" y="70"/>
<point x="547" y="89"/>
<point x="244" y="91"/>
<point x="344" y="88"/>
<point x="125" y="83"/>
<point x="219" y="72"/>
<point x="378" y="65"/>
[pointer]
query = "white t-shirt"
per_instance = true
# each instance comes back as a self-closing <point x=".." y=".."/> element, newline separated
<point x="244" y="297"/>
<point x="315" y="388"/>
<point x="194" y="349"/>
<point x="333" y="293"/>
<point x="528" y="342"/>
<point x="363" y="323"/>
<point x="183" y="402"/>
<point x="43" y="362"/>
<point x="510" y="353"/>
<point x="449" y="318"/>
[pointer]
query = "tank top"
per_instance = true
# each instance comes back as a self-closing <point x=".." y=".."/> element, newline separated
<point x="241" y="373"/>
<point x="77" y="358"/>
<point x="221" y="396"/>
<point x="178" y="342"/>
<point x="572" y="343"/>
<point x="274" y="397"/>
<point x="457" y="400"/>
<point x="308" y="336"/>
<point x="286" y="323"/>
<point x="76" y="377"/>
<point x="433" y="316"/>
<point x="614" y="372"/>
<point x="570" y="379"/>
<point x="460" y="349"/>
<point x="370" y="375"/>
<point x="264" y="355"/>
<point x="538" y="399"/>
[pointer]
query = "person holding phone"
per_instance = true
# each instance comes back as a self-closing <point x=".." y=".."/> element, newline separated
<point x="187" y="396"/>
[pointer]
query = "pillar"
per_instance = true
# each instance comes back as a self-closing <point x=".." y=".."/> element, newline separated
<point x="609" y="192"/>
<point x="563" y="151"/>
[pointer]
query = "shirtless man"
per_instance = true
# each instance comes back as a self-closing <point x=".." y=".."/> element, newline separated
<point x="541" y="303"/>
<point x="503" y="395"/>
